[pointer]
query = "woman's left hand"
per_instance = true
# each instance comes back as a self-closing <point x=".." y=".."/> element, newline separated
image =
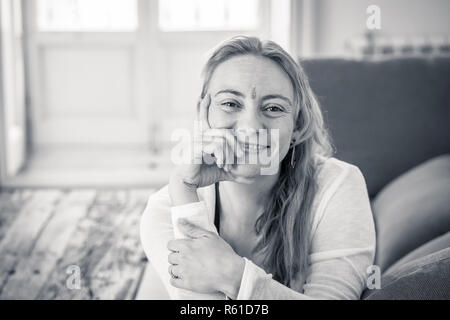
<point x="204" y="262"/>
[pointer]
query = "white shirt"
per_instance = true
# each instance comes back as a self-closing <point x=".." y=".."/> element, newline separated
<point x="342" y="239"/>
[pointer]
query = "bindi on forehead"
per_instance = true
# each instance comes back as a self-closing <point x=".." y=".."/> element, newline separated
<point x="253" y="92"/>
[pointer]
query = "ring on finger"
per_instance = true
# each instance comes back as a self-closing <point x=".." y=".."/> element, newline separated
<point x="174" y="276"/>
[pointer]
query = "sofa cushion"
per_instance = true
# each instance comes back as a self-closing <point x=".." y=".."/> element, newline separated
<point x="412" y="210"/>
<point x="425" y="278"/>
<point x="430" y="247"/>
<point x="385" y="116"/>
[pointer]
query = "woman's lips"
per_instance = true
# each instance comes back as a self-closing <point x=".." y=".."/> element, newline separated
<point x="251" y="147"/>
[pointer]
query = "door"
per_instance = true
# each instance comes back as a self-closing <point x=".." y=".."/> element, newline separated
<point x="12" y="91"/>
<point x="87" y="72"/>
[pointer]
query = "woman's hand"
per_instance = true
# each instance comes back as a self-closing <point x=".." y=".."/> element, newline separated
<point x="204" y="262"/>
<point x="214" y="153"/>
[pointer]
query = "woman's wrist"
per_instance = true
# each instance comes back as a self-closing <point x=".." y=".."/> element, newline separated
<point x="231" y="282"/>
<point x="181" y="193"/>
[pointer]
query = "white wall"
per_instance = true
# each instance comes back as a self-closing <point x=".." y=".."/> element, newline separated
<point x="337" y="20"/>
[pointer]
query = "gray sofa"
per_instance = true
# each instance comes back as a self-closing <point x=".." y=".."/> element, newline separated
<point x="391" y="118"/>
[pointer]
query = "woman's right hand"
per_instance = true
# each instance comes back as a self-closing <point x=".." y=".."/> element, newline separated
<point x="215" y="153"/>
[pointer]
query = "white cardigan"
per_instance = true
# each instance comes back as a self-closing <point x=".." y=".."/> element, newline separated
<point x="342" y="239"/>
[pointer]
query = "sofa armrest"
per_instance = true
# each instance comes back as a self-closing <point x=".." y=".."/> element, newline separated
<point x="425" y="278"/>
<point x="412" y="210"/>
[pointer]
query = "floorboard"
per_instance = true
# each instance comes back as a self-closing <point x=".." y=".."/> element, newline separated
<point x="47" y="236"/>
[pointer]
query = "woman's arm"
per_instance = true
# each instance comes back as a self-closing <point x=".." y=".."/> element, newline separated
<point x="343" y="247"/>
<point x="156" y="231"/>
<point x="180" y="193"/>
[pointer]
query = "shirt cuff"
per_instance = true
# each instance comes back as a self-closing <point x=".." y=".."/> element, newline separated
<point x="253" y="281"/>
<point x="195" y="213"/>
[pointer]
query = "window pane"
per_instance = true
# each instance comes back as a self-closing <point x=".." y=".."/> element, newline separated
<point x="87" y="15"/>
<point x="185" y="15"/>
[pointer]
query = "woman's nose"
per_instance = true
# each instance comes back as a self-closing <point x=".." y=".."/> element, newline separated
<point x="248" y="125"/>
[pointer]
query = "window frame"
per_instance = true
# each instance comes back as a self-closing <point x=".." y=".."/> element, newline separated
<point x="35" y="21"/>
<point x="202" y="36"/>
<point x="261" y="12"/>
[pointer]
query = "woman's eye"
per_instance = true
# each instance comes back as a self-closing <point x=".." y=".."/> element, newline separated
<point x="273" y="108"/>
<point x="229" y="104"/>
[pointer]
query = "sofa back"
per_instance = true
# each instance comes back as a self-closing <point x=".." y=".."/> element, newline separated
<point x="384" y="116"/>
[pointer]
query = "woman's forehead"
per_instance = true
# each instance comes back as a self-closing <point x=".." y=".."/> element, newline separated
<point x="253" y="75"/>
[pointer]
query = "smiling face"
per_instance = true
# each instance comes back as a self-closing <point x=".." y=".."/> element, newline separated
<point x="249" y="93"/>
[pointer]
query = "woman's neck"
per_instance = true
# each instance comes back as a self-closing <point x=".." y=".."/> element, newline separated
<point x="245" y="202"/>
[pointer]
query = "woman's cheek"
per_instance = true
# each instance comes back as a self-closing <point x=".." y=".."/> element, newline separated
<point x="218" y="118"/>
<point x="284" y="140"/>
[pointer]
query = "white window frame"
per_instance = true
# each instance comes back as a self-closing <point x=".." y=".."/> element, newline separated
<point x="12" y="91"/>
<point x="193" y="36"/>
<point x="35" y="6"/>
<point x="260" y="6"/>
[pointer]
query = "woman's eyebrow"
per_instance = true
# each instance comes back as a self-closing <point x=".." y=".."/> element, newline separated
<point x="277" y="96"/>
<point x="236" y="93"/>
<point x="266" y="97"/>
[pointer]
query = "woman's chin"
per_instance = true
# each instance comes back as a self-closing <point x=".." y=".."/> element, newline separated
<point x="247" y="170"/>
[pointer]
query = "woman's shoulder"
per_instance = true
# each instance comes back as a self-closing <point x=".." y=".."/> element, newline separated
<point x="332" y="172"/>
<point x="339" y="182"/>
<point x="342" y="204"/>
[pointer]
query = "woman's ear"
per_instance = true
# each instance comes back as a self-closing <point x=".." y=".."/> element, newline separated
<point x="295" y="138"/>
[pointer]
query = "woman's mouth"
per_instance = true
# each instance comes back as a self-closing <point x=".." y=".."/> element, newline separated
<point x="251" y="147"/>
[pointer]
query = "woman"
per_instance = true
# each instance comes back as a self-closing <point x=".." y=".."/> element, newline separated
<point x="224" y="230"/>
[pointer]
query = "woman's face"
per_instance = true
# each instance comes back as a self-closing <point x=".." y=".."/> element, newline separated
<point x="249" y="93"/>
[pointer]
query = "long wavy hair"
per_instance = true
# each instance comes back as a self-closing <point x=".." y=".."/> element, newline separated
<point x="285" y="225"/>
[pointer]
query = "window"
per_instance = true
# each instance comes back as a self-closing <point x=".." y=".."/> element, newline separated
<point x="87" y="15"/>
<point x="208" y="15"/>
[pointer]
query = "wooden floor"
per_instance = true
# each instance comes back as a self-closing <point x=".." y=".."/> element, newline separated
<point x="45" y="235"/>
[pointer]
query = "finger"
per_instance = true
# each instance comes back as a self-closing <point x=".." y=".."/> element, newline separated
<point x="178" y="245"/>
<point x="203" y="106"/>
<point x="230" y="155"/>
<point x="207" y="150"/>
<point x="178" y="283"/>
<point x="225" y="151"/>
<point x="174" y="271"/>
<point x="229" y="135"/>
<point x="215" y="148"/>
<point x="227" y="154"/>
<point x="174" y="258"/>
<point x="232" y="149"/>
<point x="227" y="143"/>
<point x="191" y="230"/>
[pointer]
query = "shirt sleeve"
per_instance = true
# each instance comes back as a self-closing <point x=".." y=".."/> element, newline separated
<point x="342" y="248"/>
<point x="157" y="229"/>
